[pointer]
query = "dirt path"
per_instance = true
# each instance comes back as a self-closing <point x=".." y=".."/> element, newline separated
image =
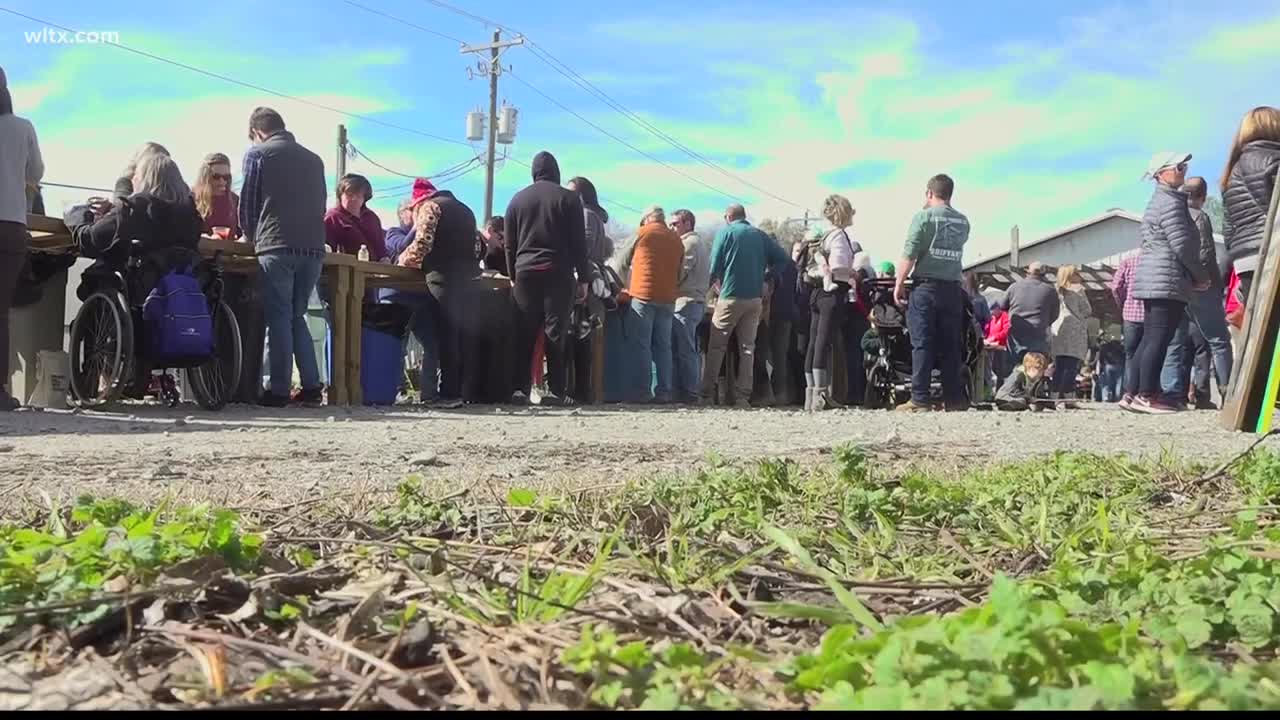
<point x="245" y="454"/>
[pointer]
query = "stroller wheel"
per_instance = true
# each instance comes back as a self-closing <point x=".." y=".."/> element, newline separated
<point x="879" y="393"/>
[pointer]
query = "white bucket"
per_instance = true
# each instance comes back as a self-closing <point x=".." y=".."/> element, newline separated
<point x="51" y="380"/>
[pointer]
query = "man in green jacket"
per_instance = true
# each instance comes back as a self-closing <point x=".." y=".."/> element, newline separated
<point x="932" y="259"/>
<point x="739" y="257"/>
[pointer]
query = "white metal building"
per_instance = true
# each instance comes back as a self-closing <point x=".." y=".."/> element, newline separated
<point x="1101" y="240"/>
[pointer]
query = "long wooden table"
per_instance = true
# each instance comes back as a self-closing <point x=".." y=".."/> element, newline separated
<point x="346" y="278"/>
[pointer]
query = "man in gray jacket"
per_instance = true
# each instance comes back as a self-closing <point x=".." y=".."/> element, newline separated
<point x="691" y="305"/>
<point x="1033" y="307"/>
<point x="1206" y="318"/>
<point x="1168" y="271"/>
<point x="282" y="206"/>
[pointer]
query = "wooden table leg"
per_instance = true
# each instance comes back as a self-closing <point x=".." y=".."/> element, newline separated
<point x="355" y="334"/>
<point x="597" y="366"/>
<point x="340" y="283"/>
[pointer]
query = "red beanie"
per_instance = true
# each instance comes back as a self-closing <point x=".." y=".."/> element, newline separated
<point x="422" y="190"/>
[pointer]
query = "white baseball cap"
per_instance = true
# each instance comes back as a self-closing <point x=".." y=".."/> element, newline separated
<point x="1163" y="161"/>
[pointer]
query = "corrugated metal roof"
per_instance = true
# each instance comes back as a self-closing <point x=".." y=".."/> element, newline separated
<point x="1113" y="213"/>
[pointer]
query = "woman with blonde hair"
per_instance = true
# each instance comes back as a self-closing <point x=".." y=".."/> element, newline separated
<point x="217" y="205"/>
<point x="828" y="275"/>
<point x="1247" y="184"/>
<point x="1069" y="334"/>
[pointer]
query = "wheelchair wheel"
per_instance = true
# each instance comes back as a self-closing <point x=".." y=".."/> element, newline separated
<point x="101" y="350"/>
<point x="215" y="382"/>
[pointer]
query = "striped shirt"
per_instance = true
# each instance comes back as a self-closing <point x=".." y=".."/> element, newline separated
<point x="1122" y="288"/>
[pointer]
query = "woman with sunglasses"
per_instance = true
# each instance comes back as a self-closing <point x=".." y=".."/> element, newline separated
<point x="1168" y="270"/>
<point x="217" y="205"/>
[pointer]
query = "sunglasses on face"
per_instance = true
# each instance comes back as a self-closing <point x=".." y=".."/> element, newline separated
<point x="221" y="176"/>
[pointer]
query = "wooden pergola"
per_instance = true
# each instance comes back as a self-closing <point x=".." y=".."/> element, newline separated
<point x="1097" y="286"/>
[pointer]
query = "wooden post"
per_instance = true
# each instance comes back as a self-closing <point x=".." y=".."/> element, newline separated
<point x="355" y="335"/>
<point x="340" y="282"/>
<point x="597" y="366"/>
<point x="1258" y="339"/>
<point x="340" y="168"/>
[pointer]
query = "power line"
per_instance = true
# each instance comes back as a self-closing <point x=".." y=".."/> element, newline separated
<point x="443" y="176"/>
<point x="471" y="16"/>
<point x="252" y="86"/>
<point x="437" y="33"/>
<point x="568" y="72"/>
<point x="603" y="200"/>
<point x="413" y="176"/>
<point x="556" y="64"/>
<point x="620" y="141"/>
<point x="45" y="183"/>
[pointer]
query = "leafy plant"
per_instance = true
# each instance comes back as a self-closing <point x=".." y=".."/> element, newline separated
<point x="633" y="675"/>
<point x="414" y="509"/>
<point x="110" y="541"/>
<point x="1018" y="652"/>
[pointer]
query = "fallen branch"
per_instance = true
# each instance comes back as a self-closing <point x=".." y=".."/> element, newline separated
<point x="1222" y="469"/>
<point x="388" y="696"/>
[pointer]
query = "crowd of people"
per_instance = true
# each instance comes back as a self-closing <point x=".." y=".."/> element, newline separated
<point x="684" y="309"/>
<point x="1181" y="303"/>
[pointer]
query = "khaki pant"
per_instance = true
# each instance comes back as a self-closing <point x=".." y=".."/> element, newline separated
<point x="732" y="314"/>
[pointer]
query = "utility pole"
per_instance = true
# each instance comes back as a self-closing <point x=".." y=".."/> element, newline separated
<point x="492" y="68"/>
<point x="341" y="167"/>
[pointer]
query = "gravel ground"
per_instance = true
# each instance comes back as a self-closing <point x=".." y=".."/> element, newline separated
<point x="247" y="455"/>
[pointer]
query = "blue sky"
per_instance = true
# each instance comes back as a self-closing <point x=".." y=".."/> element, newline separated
<point x="1043" y="116"/>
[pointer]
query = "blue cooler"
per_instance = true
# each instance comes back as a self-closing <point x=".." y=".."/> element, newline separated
<point x="381" y="366"/>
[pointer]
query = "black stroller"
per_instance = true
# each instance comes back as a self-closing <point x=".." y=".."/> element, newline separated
<point x="889" y="369"/>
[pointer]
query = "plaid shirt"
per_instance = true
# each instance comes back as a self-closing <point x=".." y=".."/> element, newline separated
<point x="251" y="194"/>
<point x="1122" y="289"/>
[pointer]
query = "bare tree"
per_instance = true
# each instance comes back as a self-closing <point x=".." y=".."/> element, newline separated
<point x="1213" y="208"/>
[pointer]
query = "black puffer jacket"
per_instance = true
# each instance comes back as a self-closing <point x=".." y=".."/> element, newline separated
<point x="1170" y="260"/>
<point x="1246" y="200"/>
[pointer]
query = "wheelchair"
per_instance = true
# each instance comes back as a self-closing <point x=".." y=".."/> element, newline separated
<point x="107" y="343"/>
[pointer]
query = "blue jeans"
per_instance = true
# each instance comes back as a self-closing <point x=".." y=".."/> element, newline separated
<point x="423" y="327"/>
<point x="1206" y="312"/>
<point x="288" y="278"/>
<point x="1177" y="365"/>
<point x="1133" y="332"/>
<point x="687" y="359"/>
<point x="935" y="319"/>
<point x="649" y="333"/>
<point x="1109" y="383"/>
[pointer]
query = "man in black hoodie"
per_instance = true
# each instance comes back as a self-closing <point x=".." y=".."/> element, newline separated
<point x="546" y="245"/>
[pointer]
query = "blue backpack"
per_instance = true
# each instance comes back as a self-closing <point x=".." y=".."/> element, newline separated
<point x="179" y="327"/>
